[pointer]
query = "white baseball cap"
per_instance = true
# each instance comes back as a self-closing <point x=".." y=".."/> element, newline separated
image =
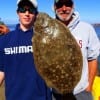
<point x="34" y="2"/>
<point x="64" y="1"/>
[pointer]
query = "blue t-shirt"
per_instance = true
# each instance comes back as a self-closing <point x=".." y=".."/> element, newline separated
<point x="22" y="82"/>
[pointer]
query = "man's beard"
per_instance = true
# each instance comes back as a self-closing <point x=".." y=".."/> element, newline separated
<point x="64" y="12"/>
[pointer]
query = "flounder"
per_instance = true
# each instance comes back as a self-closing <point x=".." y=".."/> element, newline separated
<point x="57" y="55"/>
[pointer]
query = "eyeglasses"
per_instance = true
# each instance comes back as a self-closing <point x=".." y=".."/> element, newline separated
<point x="30" y="10"/>
<point x="67" y="4"/>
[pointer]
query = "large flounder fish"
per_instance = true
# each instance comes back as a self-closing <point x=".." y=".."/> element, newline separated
<point x="57" y="55"/>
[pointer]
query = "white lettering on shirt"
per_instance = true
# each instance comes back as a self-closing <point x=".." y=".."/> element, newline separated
<point x="18" y="50"/>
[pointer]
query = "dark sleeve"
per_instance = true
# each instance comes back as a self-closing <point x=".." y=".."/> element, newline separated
<point x="1" y="54"/>
<point x="1" y="62"/>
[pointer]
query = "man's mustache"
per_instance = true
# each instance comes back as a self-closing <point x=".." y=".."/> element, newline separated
<point x="65" y="12"/>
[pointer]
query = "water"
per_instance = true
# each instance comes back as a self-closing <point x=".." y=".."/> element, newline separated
<point x="97" y="28"/>
<point x="12" y="26"/>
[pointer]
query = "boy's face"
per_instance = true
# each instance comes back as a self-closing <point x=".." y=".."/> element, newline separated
<point x="26" y="16"/>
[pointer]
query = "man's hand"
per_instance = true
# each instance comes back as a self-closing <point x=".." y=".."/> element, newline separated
<point x="3" y="29"/>
<point x="89" y="88"/>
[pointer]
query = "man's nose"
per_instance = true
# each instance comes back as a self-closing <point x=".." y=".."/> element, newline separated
<point x="64" y="7"/>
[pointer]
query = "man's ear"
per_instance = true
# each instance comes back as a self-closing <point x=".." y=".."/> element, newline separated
<point x="53" y="8"/>
<point x="73" y="7"/>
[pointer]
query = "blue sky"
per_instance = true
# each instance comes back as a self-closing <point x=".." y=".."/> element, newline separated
<point x="89" y="10"/>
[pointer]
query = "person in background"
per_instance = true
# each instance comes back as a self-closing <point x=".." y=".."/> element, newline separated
<point x="88" y="41"/>
<point x="17" y="68"/>
<point x="3" y="29"/>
